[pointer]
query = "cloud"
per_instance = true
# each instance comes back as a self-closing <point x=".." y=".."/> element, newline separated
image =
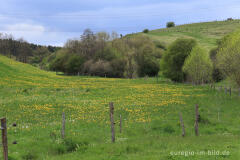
<point x="40" y="22"/>
<point x="35" y="34"/>
<point x="25" y="27"/>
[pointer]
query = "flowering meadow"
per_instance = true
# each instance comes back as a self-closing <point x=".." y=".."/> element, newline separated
<point x="150" y="107"/>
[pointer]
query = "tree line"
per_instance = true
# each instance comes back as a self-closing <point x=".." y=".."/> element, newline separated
<point x="109" y="55"/>
<point x="22" y="51"/>
<point x="131" y="56"/>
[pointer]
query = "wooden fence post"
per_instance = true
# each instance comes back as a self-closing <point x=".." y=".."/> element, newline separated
<point x="230" y="91"/>
<point x="182" y="124"/>
<point x="112" y="121"/>
<point x="225" y="90"/>
<point x="4" y="138"/>
<point x="120" y="123"/>
<point x="63" y="125"/>
<point x="196" y="120"/>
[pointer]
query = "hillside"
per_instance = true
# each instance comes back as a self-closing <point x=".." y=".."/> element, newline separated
<point x="35" y="100"/>
<point x="206" y="33"/>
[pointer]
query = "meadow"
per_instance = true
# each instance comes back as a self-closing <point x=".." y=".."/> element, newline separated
<point x="150" y="107"/>
<point x="206" y="33"/>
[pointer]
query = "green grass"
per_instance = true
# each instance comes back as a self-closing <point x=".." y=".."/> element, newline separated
<point x="206" y="33"/>
<point x="35" y="100"/>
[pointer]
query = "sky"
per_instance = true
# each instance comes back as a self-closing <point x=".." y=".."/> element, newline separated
<point x="52" y="22"/>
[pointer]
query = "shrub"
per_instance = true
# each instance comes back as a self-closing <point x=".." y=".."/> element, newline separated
<point x="118" y="66"/>
<point x="160" y="45"/>
<point x="173" y="59"/>
<point x="99" y="68"/>
<point x="216" y="75"/>
<point x="74" y="64"/>
<point x="59" y="63"/>
<point x="148" y="65"/>
<point x="228" y="56"/>
<point x="145" y="31"/>
<point x="170" y="24"/>
<point x="198" y="66"/>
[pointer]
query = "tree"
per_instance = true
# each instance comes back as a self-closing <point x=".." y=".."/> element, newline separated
<point x="88" y="41"/>
<point x="74" y="64"/>
<point x="228" y="56"/>
<point x="173" y="59"/>
<point x="60" y="62"/>
<point x="216" y="75"/>
<point x="145" y="31"/>
<point x="170" y="24"/>
<point x="198" y="66"/>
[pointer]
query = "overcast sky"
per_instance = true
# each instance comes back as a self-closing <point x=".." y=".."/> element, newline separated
<point x="52" y="22"/>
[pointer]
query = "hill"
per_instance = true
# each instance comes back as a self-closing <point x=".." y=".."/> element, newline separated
<point x="206" y="33"/>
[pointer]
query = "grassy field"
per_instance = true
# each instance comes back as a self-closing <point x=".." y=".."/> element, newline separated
<point x="206" y="33"/>
<point x="35" y="100"/>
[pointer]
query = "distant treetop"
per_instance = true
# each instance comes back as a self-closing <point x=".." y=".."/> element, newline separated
<point x="170" y="24"/>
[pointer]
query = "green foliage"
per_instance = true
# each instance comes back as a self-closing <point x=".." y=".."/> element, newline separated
<point x="160" y="45"/>
<point x="150" y="113"/>
<point x="170" y="24"/>
<point x="145" y="31"/>
<point x="60" y="62"/>
<point x="216" y="75"/>
<point x="198" y="66"/>
<point x="69" y="145"/>
<point x="206" y="34"/>
<point x="74" y="64"/>
<point x="108" y="53"/>
<point x="228" y="56"/>
<point x="173" y="59"/>
<point x="128" y="57"/>
<point x="30" y="156"/>
<point x="148" y="65"/>
<point x="118" y="67"/>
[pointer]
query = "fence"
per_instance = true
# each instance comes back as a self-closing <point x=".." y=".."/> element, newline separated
<point x="226" y="90"/>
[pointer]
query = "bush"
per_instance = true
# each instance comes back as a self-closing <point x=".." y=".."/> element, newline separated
<point x="216" y="75"/>
<point x="59" y="63"/>
<point x="170" y="24"/>
<point x="108" y="53"/>
<point x="173" y="59"/>
<point x="160" y="45"/>
<point x="99" y="68"/>
<point x="118" y="67"/>
<point x="74" y="64"/>
<point x="198" y="66"/>
<point x="145" y="31"/>
<point x="148" y="65"/>
<point x="228" y="56"/>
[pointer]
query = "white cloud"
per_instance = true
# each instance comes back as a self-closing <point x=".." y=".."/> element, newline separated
<point x="25" y="27"/>
<point x="35" y="34"/>
<point x="55" y="28"/>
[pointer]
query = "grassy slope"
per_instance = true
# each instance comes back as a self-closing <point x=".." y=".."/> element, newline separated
<point x="35" y="100"/>
<point x="205" y="33"/>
